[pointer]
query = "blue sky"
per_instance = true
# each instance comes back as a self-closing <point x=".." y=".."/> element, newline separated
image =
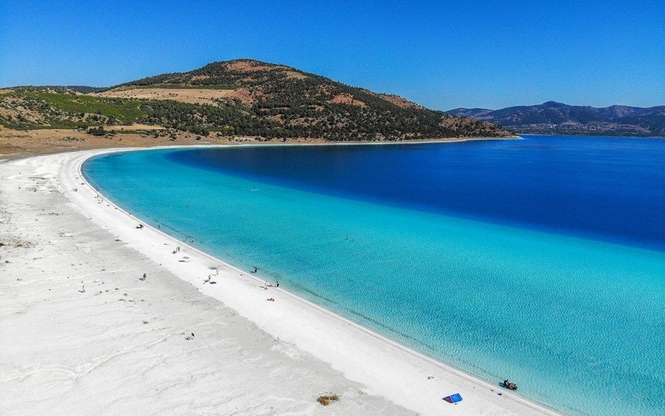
<point x="441" y="54"/>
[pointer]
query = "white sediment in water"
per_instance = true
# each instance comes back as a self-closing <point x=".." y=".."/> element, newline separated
<point x="172" y="342"/>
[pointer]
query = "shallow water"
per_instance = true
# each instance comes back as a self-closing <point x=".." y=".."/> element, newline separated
<point x="466" y="252"/>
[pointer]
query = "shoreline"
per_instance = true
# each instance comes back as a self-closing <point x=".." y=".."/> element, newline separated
<point x="358" y="327"/>
<point x="16" y="144"/>
<point x="360" y="355"/>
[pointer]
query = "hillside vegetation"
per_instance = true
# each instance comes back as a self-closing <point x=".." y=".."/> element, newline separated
<point x="240" y="98"/>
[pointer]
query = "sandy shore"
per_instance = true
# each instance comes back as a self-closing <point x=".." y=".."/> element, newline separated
<point x="83" y="333"/>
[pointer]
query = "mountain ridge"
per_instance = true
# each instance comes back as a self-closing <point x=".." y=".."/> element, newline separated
<point x="553" y="117"/>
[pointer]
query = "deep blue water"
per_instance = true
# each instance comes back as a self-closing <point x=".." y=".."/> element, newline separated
<point x="541" y="260"/>
<point x="606" y="188"/>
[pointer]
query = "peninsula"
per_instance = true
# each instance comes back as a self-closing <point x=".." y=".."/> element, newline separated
<point x="220" y="103"/>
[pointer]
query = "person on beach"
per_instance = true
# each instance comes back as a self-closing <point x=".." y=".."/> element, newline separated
<point x="277" y="285"/>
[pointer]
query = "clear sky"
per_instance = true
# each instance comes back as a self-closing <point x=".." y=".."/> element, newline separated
<point x="441" y="54"/>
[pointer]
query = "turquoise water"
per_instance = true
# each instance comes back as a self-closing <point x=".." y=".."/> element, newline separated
<point x="578" y="323"/>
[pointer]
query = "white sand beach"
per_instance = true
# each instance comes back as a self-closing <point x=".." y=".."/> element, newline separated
<point x="82" y="332"/>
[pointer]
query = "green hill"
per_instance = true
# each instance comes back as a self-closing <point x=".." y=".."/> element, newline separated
<point x="241" y="98"/>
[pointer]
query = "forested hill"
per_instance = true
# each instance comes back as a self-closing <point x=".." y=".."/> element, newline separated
<point x="556" y="118"/>
<point x="242" y="98"/>
<point x="280" y="101"/>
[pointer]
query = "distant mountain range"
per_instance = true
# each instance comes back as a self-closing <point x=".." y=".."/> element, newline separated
<point x="556" y="118"/>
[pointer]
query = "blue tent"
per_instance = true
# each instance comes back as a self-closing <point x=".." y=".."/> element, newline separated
<point x="453" y="398"/>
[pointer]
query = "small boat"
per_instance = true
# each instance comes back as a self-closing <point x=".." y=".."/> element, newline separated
<point x="509" y="385"/>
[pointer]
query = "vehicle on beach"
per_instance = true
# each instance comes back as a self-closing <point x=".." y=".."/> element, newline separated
<point x="509" y="385"/>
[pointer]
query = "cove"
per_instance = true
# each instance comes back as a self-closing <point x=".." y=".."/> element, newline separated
<point x="506" y="259"/>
